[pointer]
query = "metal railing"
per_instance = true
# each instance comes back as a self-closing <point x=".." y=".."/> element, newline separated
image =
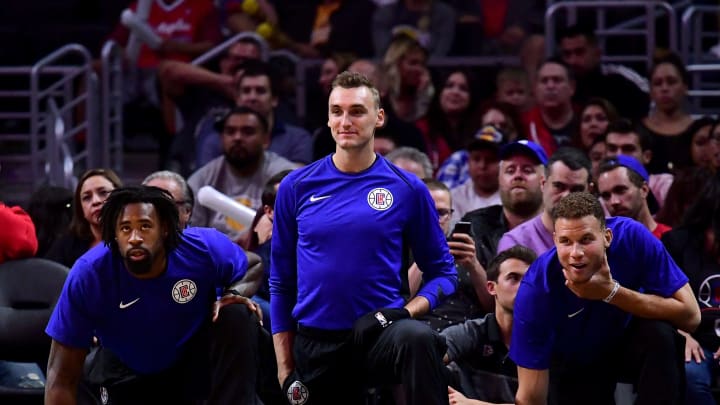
<point x="704" y="70"/>
<point x="111" y="91"/>
<point x="645" y="26"/>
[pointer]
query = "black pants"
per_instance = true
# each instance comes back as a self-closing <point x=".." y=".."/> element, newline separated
<point x="333" y="371"/>
<point x="229" y="361"/>
<point x="650" y="356"/>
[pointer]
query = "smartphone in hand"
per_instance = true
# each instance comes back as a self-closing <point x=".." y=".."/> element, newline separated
<point x="462" y="227"/>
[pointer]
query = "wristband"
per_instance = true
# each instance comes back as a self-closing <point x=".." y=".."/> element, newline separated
<point x="614" y="291"/>
<point x="232" y="291"/>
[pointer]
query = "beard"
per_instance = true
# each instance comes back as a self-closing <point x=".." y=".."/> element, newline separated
<point x="523" y="206"/>
<point x="139" y="267"/>
<point x="241" y="159"/>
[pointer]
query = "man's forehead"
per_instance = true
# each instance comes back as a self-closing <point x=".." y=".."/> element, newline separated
<point x="142" y="209"/>
<point x="261" y="80"/>
<point x="588" y="223"/>
<point x="623" y="138"/>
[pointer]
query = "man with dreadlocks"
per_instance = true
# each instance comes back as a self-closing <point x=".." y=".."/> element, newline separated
<point x="149" y="295"/>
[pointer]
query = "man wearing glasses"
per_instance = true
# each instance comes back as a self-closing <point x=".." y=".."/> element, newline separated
<point x="471" y="299"/>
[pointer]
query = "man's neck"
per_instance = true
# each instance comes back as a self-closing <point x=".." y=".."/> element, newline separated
<point x="248" y="170"/>
<point x="547" y="221"/>
<point x="504" y="319"/>
<point x="646" y="219"/>
<point x="353" y="160"/>
<point x="557" y="117"/>
<point x="514" y="219"/>
<point x="482" y="192"/>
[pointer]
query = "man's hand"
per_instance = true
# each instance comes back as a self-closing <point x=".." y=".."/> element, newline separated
<point x="598" y="287"/>
<point x="229" y="299"/>
<point x="693" y="350"/>
<point x="462" y="247"/>
<point x="369" y="326"/>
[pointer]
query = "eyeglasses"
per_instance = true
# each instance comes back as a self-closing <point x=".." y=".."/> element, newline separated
<point x="444" y="212"/>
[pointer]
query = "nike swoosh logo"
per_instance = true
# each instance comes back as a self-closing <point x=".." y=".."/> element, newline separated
<point x="123" y="306"/>
<point x="314" y="199"/>
<point x="575" y="313"/>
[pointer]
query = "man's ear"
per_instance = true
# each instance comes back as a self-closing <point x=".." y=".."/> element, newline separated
<point x="608" y="237"/>
<point x="491" y="288"/>
<point x="646" y="156"/>
<point x="380" y="118"/>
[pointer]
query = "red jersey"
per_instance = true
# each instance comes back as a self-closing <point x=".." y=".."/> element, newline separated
<point x="187" y="21"/>
<point x="660" y="229"/>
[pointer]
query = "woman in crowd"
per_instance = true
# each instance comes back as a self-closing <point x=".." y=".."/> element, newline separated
<point x="594" y="119"/>
<point x="407" y="79"/>
<point x="450" y="121"/>
<point x="85" y="232"/>
<point x="669" y="121"/>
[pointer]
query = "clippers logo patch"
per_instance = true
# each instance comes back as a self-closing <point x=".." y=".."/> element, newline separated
<point x="297" y="393"/>
<point x="184" y="291"/>
<point x="380" y="199"/>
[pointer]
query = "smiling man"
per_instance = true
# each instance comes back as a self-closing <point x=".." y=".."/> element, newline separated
<point x="581" y="323"/>
<point x="149" y="296"/>
<point x="341" y="225"/>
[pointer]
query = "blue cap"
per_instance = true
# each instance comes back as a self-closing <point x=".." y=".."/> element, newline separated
<point x="630" y="163"/>
<point x="524" y="147"/>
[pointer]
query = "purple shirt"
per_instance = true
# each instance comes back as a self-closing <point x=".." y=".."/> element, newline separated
<point x="531" y="234"/>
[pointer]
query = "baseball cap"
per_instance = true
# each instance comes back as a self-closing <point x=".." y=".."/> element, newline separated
<point x="524" y="147"/>
<point x="633" y="164"/>
<point x="487" y="137"/>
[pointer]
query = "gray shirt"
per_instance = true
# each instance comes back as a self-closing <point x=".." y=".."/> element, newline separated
<point x="246" y="190"/>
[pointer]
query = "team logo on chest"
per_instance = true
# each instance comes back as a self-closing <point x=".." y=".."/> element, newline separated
<point x="380" y="199"/>
<point x="184" y="291"/>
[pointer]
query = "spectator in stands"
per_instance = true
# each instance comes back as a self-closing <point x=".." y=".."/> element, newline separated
<point x="430" y="22"/>
<point x="18" y="241"/>
<point x="481" y="189"/>
<point x="501" y="27"/>
<point x="478" y="348"/>
<point x="186" y="29"/>
<point x="623" y="187"/>
<point x="257" y="89"/>
<point x="604" y="303"/>
<point x="50" y="208"/>
<point x="621" y="86"/>
<point x="394" y="133"/>
<point x="411" y="160"/>
<point x="695" y="247"/>
<point x="567" y="171"/>
<point x="451" y="118"/>
<point x="668" y="124"/>
<point x="704" y="147"/>
<point x="178" y="188"/>
<point x="623" y="138"/>
<point x="595" y="117"/>
<point x="683" y="192"/>
<point x="495" y="117"/>
<point x="247" y="15"/>
<point x="407" y="82"/>
<point x="552" y="122"/>
<point x="512" y="86"/>
<point x="197" y="91"/>
<point x="242" y="171"/>
<point x="85" y="230"/>
<point x="522" y="173"/>
<point x="471" y="299"/>
<point x="335" y="63"/>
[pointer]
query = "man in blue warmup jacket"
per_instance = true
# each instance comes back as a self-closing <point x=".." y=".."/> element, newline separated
<point x="339" y="321"/>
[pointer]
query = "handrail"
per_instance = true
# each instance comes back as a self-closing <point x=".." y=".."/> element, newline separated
<point x="650" y="11"/>
<point x="59" y="169"/>
<point x="686" y="36"/>
<point x="111" y="90"/>
<point x="220" y="48"/>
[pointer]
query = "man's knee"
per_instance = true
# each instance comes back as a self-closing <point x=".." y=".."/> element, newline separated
<point x="412" y="334"/>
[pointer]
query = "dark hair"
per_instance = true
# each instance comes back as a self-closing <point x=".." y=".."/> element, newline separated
<point x="510" y="113"/>
<point x="51" y="211"/>
<point x="164" y="207"/>
<point x="573" y="158"/>
<point x="438" y="123"/>
<point x="221" y="119"/>
<point x="518" y="252"/>
<point x="578" y="30"/>
<point x="611" y="164"/>
<point x="626" y="127"/>
<point x="684" y="191"/>
<point x="557" y="61"/>
<point x="269" y="193"/>
<point x="674" y="60"/>
<point x="79" y="226"/>
<point x="605" y="105"/>
<point x="255" y="68"/>
<point x="578" y="205"/>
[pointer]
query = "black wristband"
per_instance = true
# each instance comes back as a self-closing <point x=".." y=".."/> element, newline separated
<point x="232" y="291"/>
